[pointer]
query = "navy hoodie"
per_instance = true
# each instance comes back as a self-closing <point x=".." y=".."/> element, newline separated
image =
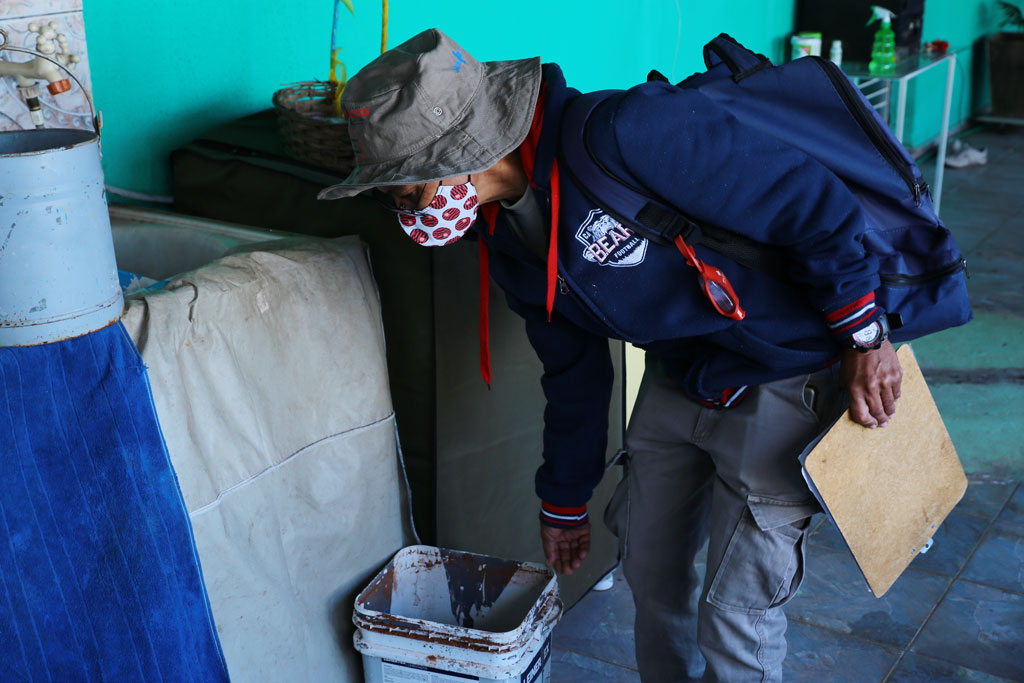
<point x="679" y="145"/>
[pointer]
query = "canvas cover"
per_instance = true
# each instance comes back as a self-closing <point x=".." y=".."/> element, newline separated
<point x="269" y="379"/>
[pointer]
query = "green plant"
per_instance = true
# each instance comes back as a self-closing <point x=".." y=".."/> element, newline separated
<point x="1012" y="15"/>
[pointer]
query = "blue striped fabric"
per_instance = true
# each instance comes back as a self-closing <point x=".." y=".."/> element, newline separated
<point x="99" y="576"/>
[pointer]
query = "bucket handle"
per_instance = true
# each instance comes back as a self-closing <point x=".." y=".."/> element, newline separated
<point x="5" y="45"/>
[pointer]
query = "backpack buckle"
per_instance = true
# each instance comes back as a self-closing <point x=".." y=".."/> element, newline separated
<point x="668" y="224"/>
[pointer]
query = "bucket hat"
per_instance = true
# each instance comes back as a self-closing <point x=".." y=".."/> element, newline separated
<point x="427" y="110"/>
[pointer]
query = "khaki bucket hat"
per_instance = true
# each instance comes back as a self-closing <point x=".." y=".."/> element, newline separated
<point x="426" y="110"/>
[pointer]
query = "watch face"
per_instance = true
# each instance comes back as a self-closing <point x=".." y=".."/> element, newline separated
<point x="869" y="335"/>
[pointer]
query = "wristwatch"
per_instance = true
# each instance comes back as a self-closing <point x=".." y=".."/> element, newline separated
<point x="871" y="337"/>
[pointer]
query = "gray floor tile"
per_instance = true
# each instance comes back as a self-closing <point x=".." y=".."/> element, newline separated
<point x="827" y="535"/>
<point x="972" y="225"/>
<point x="601" y="625"/>
<point x="816" y="521"/>
<point x="817" y="655"/>
<point x="572" y="667"/>
<point x="920" y="669"/>
<point x="954" y="540"/>
<point x="984" y="421"/>
<point x="978" y="627"/>
<point x="991" y="179"/>
<point x="979" y="196"/>
<point x="995" y="277"/>
<point x="1011" y="519"/>
<point x="999" y="562"/>
<point x="985" y="499"/>
<point x="835" y="596"/>
<point x="990" y="340"/>
<point x="1006" y="239"/>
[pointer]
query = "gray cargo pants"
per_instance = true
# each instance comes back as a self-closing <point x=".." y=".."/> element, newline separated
<point x="730" y="477"/>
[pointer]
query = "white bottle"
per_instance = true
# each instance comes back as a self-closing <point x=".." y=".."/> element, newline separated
<point x="835" y="55"/>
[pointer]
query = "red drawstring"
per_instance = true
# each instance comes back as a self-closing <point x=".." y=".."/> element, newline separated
<point x="553" y="244"/>
<point x="490" y="212"/>
<point x="527" y="155"/>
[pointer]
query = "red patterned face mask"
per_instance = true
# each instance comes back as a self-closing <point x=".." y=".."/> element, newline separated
<point x="446" y="219"/>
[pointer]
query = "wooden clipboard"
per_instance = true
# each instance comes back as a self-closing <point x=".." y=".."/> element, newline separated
<point x="887" y="490"/>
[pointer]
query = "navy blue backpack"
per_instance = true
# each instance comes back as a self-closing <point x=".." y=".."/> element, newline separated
<point x="810" y="104"/>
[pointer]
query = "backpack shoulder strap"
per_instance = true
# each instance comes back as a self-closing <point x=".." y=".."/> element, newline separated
<point x="623" y="202"/>
<point x="626" y="203"/>
<point x="646" y="214"/>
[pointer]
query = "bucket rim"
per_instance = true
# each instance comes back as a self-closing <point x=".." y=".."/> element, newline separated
<point x="90" y="138"/>
<point x="370" y="619"/>
<point x="545" y="613"/>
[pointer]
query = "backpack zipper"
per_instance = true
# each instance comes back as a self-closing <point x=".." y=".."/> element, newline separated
<point x="871" y="127"/>
<point x="899" y="280"/>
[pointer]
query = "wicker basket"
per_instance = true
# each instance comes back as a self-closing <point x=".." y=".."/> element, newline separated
<point x="310" y="131"/>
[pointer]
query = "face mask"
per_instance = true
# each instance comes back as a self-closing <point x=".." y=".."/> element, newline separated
<point x="446" y="219"/>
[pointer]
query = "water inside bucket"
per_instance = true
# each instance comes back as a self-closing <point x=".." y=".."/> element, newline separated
<point x="457" y="589"/>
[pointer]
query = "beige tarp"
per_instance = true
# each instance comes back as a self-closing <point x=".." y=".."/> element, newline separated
<point x="268" y="374"/>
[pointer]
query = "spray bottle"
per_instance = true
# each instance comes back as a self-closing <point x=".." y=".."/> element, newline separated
<point x="883" y="50"/>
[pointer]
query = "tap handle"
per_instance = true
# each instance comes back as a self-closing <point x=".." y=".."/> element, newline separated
<point x="5" y="44"/>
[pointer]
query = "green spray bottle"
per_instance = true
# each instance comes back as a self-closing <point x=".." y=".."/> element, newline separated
<point x="883" y="50"/>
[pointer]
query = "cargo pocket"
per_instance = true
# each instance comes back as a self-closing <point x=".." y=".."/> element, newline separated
<point x="616" y="513"/>
<point x="824" y="396"/>
<point x="763" y="564"/>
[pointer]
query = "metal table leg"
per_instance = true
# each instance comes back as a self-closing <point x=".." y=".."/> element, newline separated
<point x="940" y="161"/>
<point x="901" y="108"/>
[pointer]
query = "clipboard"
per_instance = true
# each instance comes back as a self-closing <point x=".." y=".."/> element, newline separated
<point x="887" y="490"/>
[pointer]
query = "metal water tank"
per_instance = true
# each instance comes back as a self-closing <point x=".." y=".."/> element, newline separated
<point x="58" y="276"/>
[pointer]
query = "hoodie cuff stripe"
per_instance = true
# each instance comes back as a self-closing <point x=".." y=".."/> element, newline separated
<point x="567" y="517"/>
<point x="844" y="321"/>
<point x="849" y="308"/>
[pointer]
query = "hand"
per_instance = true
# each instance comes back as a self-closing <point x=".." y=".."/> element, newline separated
<point x="565" y="549"/>
<point x="873" y="380"/>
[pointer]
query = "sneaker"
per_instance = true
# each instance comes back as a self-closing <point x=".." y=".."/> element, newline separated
<point x="606" y="583"/>
<point x="963" y="155"/>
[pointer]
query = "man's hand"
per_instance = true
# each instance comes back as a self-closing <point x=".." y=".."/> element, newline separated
<point x="873" y="380"/>
<point x="565" y="549"/>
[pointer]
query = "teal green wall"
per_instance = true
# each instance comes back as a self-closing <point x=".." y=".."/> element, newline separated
<point x="964" y="23"/>
<point x="163" y="71"/>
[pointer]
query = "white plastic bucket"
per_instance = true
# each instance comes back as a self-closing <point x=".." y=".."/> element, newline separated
<point x="444" y="616"/>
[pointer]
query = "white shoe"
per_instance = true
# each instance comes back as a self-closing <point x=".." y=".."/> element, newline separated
<point x="606" y="583"/>
<point x="963" y="155"/>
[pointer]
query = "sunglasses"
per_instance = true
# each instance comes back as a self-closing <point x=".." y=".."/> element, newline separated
<point x="387" y="201"/>
<point x="714" y="284"/>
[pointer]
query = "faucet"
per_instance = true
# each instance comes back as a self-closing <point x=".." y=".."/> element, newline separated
<point x="54" y="46"/>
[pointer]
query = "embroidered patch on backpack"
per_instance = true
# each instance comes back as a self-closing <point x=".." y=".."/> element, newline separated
<point x="609" y="243"/>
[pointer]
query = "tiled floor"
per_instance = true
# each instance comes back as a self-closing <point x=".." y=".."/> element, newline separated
<point x="957" y="614"/>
